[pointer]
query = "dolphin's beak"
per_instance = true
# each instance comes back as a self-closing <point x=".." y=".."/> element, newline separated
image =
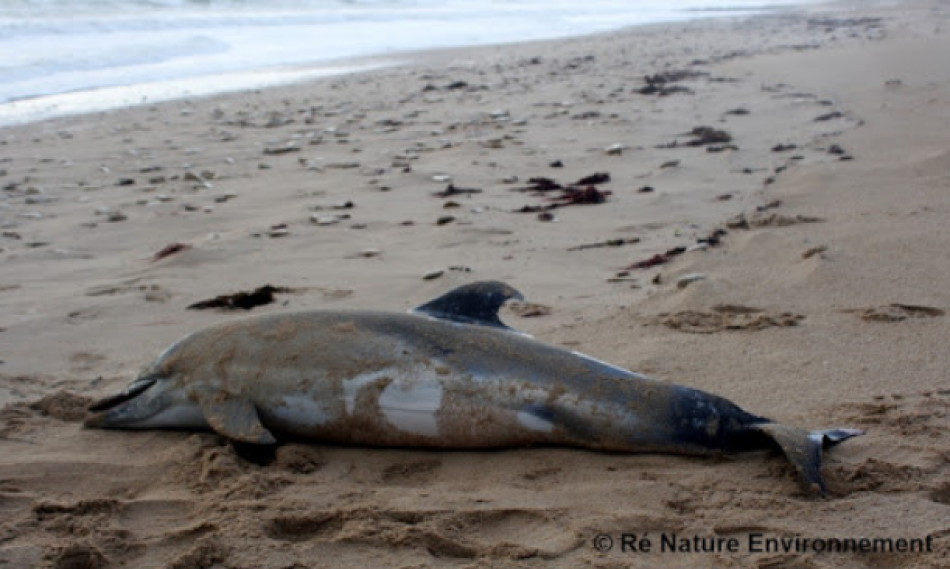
<point x="112" y="410"/>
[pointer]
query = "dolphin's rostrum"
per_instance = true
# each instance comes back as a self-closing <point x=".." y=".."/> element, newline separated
<point x="447" y="375"/>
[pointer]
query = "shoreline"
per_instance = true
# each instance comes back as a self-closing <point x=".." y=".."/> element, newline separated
<point x="39" y="108"/>
<point x="815" y="139"/>
<point x="108" y="98"/>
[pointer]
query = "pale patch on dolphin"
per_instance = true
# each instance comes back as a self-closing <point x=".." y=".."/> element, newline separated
<point x="449" y="375"/>
<point x="533" y="422"/>
<point x="412" y="408"/>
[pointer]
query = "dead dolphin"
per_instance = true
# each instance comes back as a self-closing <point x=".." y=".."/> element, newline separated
<point x="447" y="375"/>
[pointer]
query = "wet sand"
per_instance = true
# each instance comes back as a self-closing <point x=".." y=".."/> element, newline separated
<point x="816" y="141"/>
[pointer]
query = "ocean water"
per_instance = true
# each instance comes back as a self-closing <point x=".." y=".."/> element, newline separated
<point x="68" y="56"/>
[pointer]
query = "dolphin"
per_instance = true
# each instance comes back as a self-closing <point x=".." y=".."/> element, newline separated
<point x="447" y="375"/>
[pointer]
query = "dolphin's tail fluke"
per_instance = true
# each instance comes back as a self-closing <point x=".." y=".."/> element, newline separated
<point x="803" y="448"/>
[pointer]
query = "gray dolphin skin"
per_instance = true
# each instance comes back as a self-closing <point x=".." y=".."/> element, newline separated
<point x="448" y="375"/>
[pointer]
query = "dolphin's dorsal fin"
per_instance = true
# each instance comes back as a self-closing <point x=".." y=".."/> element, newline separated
<point x="235" y="418"/>
<point x="475" y="303"/>
<point x="803" y="448"/>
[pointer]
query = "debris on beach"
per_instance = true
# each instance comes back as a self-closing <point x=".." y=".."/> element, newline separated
<point x="451" y="190"/>
<point x="535" y="208"/>
<point x="713" y="239"/>
<point x="663" y="83"/>
<point x="707" y="135"/>
<point x="582" y="192"/>
<point x="281" y="149"/>
<point x="593" y="179"/>
<point x="578" y="196"/>
<point x="658" y="259"/>
<point x="243" y="300"/>
<point x="279" y="230"/>
<point x="663" y="258"/>
<point x="540" y="185"/>
<point x="169" y="250"/>
<point x="702" y="136"/>
<point x="318" y="219"/>
<point x="624" y="277"/>
<point x="663" y="90"/>
<point x="686" y="280"/>
<point x="714" y="148"/>
<point x="836" y="150"/>
<point x="829" y="116"/>
<point x="742" y="221"/>
<point x="608" y="243"/>
<point x="814" y="251"/>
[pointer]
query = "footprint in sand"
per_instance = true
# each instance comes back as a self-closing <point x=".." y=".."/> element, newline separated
<point x="895" y="312"/>
<point x="728" y="317"/>
<point x="508" y="533"/>
<point x="923" y="415"/>
<point x="78" y="555"/>
<point x="917" y="423"/>
<point x="318" y="525"/>
<point x="513" y="534"/>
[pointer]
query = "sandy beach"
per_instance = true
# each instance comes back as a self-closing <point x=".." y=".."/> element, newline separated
<point x="771" y="232"/>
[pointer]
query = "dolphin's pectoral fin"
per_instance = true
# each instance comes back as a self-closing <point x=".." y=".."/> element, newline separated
<point x="236" y="419"/>
<point x="475" y="303"/>
<point x="803" y="448"/>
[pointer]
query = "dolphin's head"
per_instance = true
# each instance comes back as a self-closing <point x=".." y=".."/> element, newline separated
<point x="151" y="401"/>
<point x="156" y="398"/>
<point x="140" y="401"/>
